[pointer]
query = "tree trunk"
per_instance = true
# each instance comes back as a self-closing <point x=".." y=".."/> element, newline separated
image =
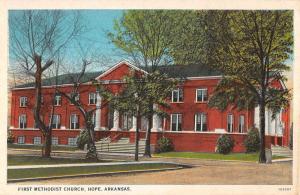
<point x="47" y="145"/>
<point x="92" y="151"/>
<point x="148" y="136"/>
<point x="137" y="137"/>
<point x="262" y="154"/>
<point x="37" y="109"/>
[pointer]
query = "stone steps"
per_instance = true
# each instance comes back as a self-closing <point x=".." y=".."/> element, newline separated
<point x="281" y="151"/>
<point x="122" y="146"/>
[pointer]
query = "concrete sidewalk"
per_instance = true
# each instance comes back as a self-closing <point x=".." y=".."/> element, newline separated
<point x="91" y="164"/>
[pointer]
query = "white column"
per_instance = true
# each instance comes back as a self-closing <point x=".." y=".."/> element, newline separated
<point x="98" y="113"/>
<point x="116" y="121"/>
<point x="256" y="116"/>
<point x="155" y="119"/>
<point x="134" y="124"/>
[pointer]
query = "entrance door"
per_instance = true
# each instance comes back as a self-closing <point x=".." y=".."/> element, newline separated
<point x="127" y="121"/>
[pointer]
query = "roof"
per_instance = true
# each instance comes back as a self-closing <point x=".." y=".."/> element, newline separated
<point x="193" y="70"/>
<point x="64" y="79"/>
<point x="173" y="71"/>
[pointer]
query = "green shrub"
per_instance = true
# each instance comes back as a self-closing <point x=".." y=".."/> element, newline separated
<point x="82" y="139"/>
<point x="10" y="137"/>
<point x="224" y="144"/>
<point x="252" y="140"/>
<point x="164" y="145"/>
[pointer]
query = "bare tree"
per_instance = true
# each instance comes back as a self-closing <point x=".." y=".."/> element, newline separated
<point x="36" y="38"/>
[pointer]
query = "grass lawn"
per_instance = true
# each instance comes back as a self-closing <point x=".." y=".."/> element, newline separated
<point x="46" y="172"/>
<point x="13" y="160"/>
<point x="39" y="147"/>
<point x="214" y="156"/>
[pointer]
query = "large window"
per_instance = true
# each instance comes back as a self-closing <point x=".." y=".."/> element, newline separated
<point x="72" y="141"/>
<point x="200" y="122"/>
<point x="21" y="140"/>
<point x="22" y="121"/>
<point x="37" y="140"/>
<point x="23" y="101"/>
<point x="230" y="123"/>
<point x="54" y="141"/>
<point x="57" y="101"/>
<point x="92" y="98"/>
<point x="177" y="95"/>
<point x="241" y="123"/>
<point x="201" y="95"/>
<point x="127" y="121"/>
<point x="74" y="122"/>
<point x="176" y="122"/>
<point x="56" y="121"/>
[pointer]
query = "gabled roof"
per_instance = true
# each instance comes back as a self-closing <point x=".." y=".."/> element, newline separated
<point x="173" y="71"/>
<point x="184" y="71"/>
<point x="64" y="79"/>
<point x="117" y="66"/>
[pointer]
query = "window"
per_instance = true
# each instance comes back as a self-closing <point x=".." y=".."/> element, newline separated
<point x="177" y="95"/>
<point x="56" y="121"/>
<point x="230" y="123"/>
<point x="92" y="98"/>
<point x="54" y="141"/>
<point x="21" y="140"/>
<point x="22" y="121"/>
<point x="200" y="122"/>
<point x="75" y="96"/>
<point x="57" y="101"/>
<point x="176" y="121"/>
<point x="201" y="95"/>
<point x="37" y="140"/>
<point x="72" y="141"/>
<point x="241" y="123"/>
<point x="23" y="101"/>
<point x="74" y="123"/>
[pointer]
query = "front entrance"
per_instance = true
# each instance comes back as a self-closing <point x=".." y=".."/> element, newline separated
<point x="126" y="121"/>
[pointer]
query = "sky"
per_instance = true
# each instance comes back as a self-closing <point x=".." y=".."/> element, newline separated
<point x="98" y="23"/>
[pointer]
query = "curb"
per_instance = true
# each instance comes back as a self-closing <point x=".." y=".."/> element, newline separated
<point x="241" y="161"/>
<point x="92" y="175"/>
<point x="95" y="164"/>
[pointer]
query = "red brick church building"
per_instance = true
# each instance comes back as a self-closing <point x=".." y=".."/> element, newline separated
<point x="192" y="125"/>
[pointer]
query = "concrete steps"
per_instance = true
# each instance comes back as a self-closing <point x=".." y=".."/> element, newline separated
<point x="122" y="146"/>
<point x="281" y="151"/>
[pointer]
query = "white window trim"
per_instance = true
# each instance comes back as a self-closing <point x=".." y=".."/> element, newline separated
<point x="201" y="121"/>
<point x="20" y="121"/>
<point x="23" y="139"/>
<point x="57" y="121"/>
<point x="202" y="98"/>
<point x="178" y="95"/>
<point x="37" y="137"/>
<point x="95" y="98"/>
<point x="74" y="140"/>
<point x="21" y="100"/>
<point x="77" y="98"/>
<point x="55" y="102"/>
<point x="177" y="122"/>
<point x="54" y="138"/>
<point x="71" y="120"/>
<point x="232" y="122"/>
